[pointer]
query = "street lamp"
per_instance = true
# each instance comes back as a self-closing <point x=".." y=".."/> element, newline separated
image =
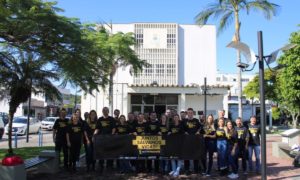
<point x="204" y="89"/>
<point x="252" y="58"/>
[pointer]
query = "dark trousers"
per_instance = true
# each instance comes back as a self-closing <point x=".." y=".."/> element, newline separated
<point x="90" y="160"/>
<point x="62" y="146"/>
<point x="140" y="165"/>
<point x="242" y="153"/>
<point x="232" y="158"/>
<point x="210" y="147"/>
<point x="74" y="153"/>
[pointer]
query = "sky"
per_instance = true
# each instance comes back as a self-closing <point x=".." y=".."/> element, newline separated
<point x="276" y="32"/>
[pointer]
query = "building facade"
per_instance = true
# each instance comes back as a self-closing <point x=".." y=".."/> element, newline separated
<point x="180" y="57"/>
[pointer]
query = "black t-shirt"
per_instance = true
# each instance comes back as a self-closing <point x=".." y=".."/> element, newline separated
<point x="208" y="130"/>
<point x="254" y="134"/>
<point x="90" y="128"/>
<point x="153" y="127"/>
<point x="75" y="132"/>
<point x="131" y="125"/>
<point x="141" y="129"/>
<point x="60" y="126"/>
<point x="106" y="125"/>
<point x="191" y="126"/>
<point x="221" y="134"/>
<point x="163" y="129"/>
<point x="231" y="137"/>
<point x="242" y="135"/>
<point x="122" y="129"/>
<point x="176" y="129"/>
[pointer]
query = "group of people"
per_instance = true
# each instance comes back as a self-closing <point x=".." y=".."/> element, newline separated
<point x="229" y="140"/>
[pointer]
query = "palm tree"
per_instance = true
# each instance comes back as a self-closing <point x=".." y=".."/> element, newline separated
<point x="117" y="52"/>
<point x="23" y="73"/>
<point x="226" y="11"/>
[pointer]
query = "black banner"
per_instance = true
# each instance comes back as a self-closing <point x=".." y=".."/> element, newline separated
<point x="169" y="146"/>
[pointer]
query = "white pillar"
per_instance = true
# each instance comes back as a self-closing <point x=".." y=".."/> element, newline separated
<point x="182" y="103"/>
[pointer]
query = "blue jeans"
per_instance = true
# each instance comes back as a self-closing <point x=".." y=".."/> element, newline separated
<point x="222" y="150"/>
<point x="232" y="158"/>
<point x="176" y="165"/>
<point x="256" y="150"/>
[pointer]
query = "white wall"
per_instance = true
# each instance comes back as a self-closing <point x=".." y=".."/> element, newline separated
<point x="197" y="51"/>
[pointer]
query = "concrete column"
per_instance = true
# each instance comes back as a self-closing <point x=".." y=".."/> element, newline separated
<point x="182" y="101"/>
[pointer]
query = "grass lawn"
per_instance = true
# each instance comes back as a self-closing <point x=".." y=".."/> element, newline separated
<point x="26" y="152"/>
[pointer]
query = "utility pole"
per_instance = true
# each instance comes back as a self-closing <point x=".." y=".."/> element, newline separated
<point x="262" y="106"/>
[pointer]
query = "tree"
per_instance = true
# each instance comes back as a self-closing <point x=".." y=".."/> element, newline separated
<point x="37" y="46"/>
<point x="118" y="52"/>
<point x="289" y="79"/>
<point x="226" y="11"/>
<point x="271" y="83"/>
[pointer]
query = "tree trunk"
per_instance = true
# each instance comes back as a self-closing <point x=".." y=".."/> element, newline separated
<point x="111" y="93"/>
<point x="12" y="110"/>
<point x="239" y="74"/>
<point x="295" y="120"/>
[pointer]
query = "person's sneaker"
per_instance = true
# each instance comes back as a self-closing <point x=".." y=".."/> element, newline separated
<point x="171" y="173"/>
<point x="176" y="174"/>
<point x="203" y="173"/>
<point x="230" y="175"/>
<point x="207" y="175"/>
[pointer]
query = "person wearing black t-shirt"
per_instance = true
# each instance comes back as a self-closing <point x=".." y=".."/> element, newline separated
<point x="59" y="136"/>
<point x="90" y="130"/>
<point x="254" y="144"/>
<point x="153" y="129"/>
<point x="131" y="122"/>
<point x="232" y="149"/>
<point x="221" y="114"/>
<point x="221" y="145"/>
<point x="140" y="129"/>
<point x="242" y="148"/>
<point x="192" y="127"/>
<point x="74" y="136"/>
<point x="176" y="128"/>
<point x="163" y="131"/>
<point x="84" y="124"/>
<point x="105" y="125"/>
<point x="122" y="129"/>
<point x="210" y="142"/>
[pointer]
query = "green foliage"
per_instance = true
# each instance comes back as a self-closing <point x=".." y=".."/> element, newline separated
<point x="252" y="88"/>
<point x="289" y="78"/>
<point x="26" y="152"/>
<point x="275" y="113"/>
<point x="227" y="10"/>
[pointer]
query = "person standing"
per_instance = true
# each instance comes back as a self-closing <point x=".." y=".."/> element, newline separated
<point x="210" y="142"/>
<point x="242" y="144"/>
<point x="153" y="129"/>
<point x="74" y="137"/>
<point x="221" y="146"/>
<point x="90" y="130"/>
<point x="163" y="131"/>
<point x="232" y="149"/>
<point x="141" y="128"/>
<point x="192" y="127"/>
<point x="254" y="144"/>
<point x="106" y="125"/>
<point x="176" y="128"/>
<point x="122" y="129"/>
<point x="59" y="136"/>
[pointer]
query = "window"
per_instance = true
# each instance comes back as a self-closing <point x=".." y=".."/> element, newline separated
<point x="136" y="99"/>
<point x="218" y="79"/>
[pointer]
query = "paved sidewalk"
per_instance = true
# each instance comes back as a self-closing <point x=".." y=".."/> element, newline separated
<point x="277" y="169"/>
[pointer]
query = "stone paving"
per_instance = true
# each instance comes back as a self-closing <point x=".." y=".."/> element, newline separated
<point x="277" y="169"/>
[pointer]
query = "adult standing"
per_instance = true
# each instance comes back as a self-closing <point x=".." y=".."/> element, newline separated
<point x="221" y="146"/>
<point x="242" y="140"/>
<point x="106" y="125"/>
<point x="153" y="129"/>
<point x="191" y="127"/>
<point x="90" y="130"/>
<point x="254" y="144"/>
<point x="59" y="136"/>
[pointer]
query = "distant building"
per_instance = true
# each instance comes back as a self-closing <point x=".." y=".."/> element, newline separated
<point x="180" y="57"/>
<point x="40" y="107"/>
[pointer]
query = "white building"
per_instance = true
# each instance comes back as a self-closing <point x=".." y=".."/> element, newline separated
<point x="180" y="57"/>
<point x="250" y="106"/>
